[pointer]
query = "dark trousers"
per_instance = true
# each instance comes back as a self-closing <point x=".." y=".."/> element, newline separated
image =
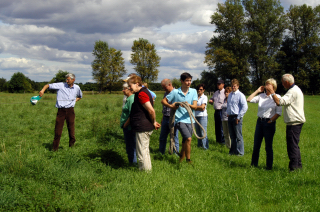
<point x="130" y="139"/>
<point x="263" y="130"/>
<point x="218" y="126"/>
<point x="68" y="115"/>
<point x="293" y="138"/>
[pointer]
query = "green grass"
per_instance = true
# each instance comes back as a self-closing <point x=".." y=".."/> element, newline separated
<point x="96" y="176"/>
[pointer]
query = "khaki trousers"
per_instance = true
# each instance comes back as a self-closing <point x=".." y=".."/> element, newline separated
<point x="142" y="148"/>
<point x="226" y="134"/>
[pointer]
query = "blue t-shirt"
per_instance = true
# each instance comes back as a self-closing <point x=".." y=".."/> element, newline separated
<point x="177" y="95"/>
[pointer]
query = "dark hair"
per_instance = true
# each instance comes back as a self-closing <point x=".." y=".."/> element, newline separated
<point x="227" y="89"/>
<point x="185" y="76"/>
<point x="201" y="85"/>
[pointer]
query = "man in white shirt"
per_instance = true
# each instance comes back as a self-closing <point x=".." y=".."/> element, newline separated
<point x="293" y="115"/>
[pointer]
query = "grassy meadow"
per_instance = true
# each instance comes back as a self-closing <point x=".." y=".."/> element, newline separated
<point x="95" y="174"/>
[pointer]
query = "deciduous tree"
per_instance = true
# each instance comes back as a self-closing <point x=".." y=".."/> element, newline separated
<point x="265" y="26"/>
<point x="108" y="65"/>
<point x="300" y="50"/>
<point x="19" y="84"/>
<point x="227" y="50"/>
<point x="145" y="59"/>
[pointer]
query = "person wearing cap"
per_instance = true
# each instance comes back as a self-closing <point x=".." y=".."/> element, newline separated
<point x="68" y="94"/>
<point x="217" y="100"/>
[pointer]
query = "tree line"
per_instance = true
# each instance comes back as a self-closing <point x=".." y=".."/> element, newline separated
<point x="256" y="40"/>
<point x="253" y="40"/>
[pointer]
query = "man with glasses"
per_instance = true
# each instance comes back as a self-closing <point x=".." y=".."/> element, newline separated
<point x="217" y="100"/>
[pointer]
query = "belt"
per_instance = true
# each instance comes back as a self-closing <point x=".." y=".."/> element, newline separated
<point x="263" y="119"/>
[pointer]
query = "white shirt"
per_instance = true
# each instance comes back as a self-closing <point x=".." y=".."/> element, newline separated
<point x="202" y="100"/>
<point x="267" y="108"/>
<point x="293" y="106"/>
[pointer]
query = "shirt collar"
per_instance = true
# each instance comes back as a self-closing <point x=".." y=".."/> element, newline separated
<point x="292" y="85"/>
<point x="180" y="91"/>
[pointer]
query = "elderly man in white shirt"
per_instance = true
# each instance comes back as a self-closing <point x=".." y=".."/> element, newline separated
<point x="68" y="94"/>
<point x="293" y="116"/>
<point x="268" y="113"/>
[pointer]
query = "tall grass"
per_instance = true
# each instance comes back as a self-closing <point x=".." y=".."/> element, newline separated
<point x="95" y="175"/>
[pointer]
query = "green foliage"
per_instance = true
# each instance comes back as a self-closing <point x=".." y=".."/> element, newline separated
<point x="60" y="77"/>
<point x="265" y="24"/>
<point x="95" y="175"/>
<point x="3" y="84"/>
<point x="300" y="50"/>
<point x="19" y="83"/>
<point x="145" y="59"/>
<point x="227" y="52"/>
<point x="176" y="83"/>
<point x="108" y="65"/>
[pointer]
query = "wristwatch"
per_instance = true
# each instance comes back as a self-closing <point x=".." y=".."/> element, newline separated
<point x="272" y="94"/>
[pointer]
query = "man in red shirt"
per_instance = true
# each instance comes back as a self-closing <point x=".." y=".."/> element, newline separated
<point x="142" y="120"/>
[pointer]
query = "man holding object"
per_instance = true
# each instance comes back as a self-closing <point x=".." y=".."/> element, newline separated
<point x="68" y="94"/>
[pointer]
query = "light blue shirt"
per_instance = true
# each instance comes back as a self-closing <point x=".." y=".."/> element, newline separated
<point x="66" y="96"/>
<point x="177" y="95"/>
<point x="237" y="104"/>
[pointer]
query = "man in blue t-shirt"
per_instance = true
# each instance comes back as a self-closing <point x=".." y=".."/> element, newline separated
<point x="182" y="119"/>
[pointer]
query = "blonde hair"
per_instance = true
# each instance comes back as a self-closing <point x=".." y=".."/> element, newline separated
<point x="235" y="81"/>
<point x="272" y="82"/>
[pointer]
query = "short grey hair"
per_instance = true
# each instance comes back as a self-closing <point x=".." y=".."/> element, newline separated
<point x="288" y="78"/>
<point x="72" y="76"/>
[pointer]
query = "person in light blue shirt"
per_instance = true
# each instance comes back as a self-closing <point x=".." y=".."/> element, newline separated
<point x="68" y="94"/>
<point x="182" y="119"/>
<point x="236" y="108"/>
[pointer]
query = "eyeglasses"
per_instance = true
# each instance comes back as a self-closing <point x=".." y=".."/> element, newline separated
<point x="200" y="89"/>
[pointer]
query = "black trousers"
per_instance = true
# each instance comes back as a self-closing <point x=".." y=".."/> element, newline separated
<point x="218" y="126"/>
<point x="293" y="138"/>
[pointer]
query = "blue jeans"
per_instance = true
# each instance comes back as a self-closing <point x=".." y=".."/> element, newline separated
<point x="235" y="131"/>
<point x="203" y="120"/>
<point x="165" y="131"/>
<point x="130" y="139"/>
<point x="263" y="130"/>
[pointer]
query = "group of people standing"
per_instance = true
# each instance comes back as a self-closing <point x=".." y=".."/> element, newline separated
<point x="230" y="104"/>
<point x="138" y="118"/>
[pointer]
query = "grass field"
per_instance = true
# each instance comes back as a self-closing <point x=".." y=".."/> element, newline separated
<point x="95" y="174"/>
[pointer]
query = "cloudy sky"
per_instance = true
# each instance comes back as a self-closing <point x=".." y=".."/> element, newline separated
<point x="40" y="37"/>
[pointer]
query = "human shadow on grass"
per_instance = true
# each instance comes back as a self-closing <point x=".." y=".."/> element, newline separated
<point x="108" y="157"/>
<point x="232" y="161"/>
<point x="173" y="159"/>
<point x="109" y="136"/>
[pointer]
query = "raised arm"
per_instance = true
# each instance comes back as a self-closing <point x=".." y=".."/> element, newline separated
<point x="259" y="90"/>
<point x="43" y="90"/>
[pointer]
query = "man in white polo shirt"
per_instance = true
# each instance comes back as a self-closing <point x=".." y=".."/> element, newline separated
<point x="68" y="94"/>
<point x="293" y="115"/>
